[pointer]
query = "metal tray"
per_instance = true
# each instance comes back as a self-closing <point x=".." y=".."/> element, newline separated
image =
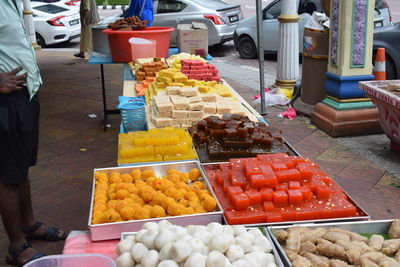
<point x="278" y="260"/>
<point x="365" y="227"/>
<point x="363" y="214"/>
<point x="107" y="231"/>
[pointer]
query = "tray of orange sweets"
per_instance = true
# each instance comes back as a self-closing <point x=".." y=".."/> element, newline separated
<point x="124" y="198"/>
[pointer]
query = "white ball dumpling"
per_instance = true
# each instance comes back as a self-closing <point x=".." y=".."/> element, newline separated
<point x="150" y="259"/>
<point x="148" y="238"/>
<point x="241" y="263"/>
<point x="263" y="242"/>
<point x="138" y="251"/>
<point x="255" y="232"/>
<point x="164" y="236"/>
<point x="164" y="224"/>
<point x="196" y="260"/>
<point x="180" y="250"/>
<point x="198" y="246"/>
<point x="125" y="260"/>
<point x="215" y="227"/>
<point x="239" y="229"/>
<point x="125" y="246"/>
<point x="131" y="237"/>
<point x="234" y="253"/>
<point x="140" y="234"/>
<point x="168" y="263"/>
<point x="219" y="243"/>
<point x="247" y="236"/>
<point x="191" y="229"/>
<point x="270" y="258"/>
<point x="165" y="251"/>
<point x="204" y="236"/>
<point x="151" y="226"/>
<point x="215" y="258"/>
<point x="228" y="230"/>
<point x="178" y="231"/>
<point x="271" y="264"/>
<point x="244" y="243"/>
<point x="186" y="237"/>
<point x="259" y="258"/>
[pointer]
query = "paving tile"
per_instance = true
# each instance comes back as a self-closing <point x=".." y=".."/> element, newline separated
<point x="361" y="170"/>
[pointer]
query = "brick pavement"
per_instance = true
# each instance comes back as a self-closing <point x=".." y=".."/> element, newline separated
<point x="72" y="145"/>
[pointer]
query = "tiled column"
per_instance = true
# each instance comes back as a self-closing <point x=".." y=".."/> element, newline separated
<point x="29" y="26"/>
<point x="346" y="111"/>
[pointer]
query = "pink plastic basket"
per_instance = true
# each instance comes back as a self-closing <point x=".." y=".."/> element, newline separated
<point x="75" y="260"/>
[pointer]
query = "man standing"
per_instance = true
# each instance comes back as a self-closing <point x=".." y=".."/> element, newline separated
<point x="89" y="16"/>
<point x="19" y="128"/>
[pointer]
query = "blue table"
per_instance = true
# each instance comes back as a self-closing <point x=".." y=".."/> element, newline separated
<point x="126" y="76"/>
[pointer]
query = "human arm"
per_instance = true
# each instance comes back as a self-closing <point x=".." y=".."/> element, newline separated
<point x="10" y="81"/>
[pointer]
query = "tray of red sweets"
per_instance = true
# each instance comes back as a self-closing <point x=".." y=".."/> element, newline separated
<point x="279" y="189"/>
<point x="235" y="136"/>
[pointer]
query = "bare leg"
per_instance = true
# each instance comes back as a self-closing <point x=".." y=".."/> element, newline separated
<point x="11" y="216"/>
<point x="26" y="204"/>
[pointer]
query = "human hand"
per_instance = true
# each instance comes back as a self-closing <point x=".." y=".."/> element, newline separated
<point x="10" y="81"/>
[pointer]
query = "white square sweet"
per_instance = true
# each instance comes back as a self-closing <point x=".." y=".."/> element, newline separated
<point x="210" y="108"/>
<point x="161" y="99"/>
<point x="196" y="106"/>
<point x="188" y="91"/>
<point x="195" y="114"/>
<point x="209" y="97"/>
<point x="162" y="93"/>
<point x="166" y="114"/>
<point x="179" y="121"/>
<point x="194" y="99"/>
<point x="224" y="108"/>
<point x="179" y="114"/>
<point x="180" y="103"/>
<point x="162" y="122"/>
<point x="163" y="107"/>
<point x="172" y="90"/>
<point x="238" y="108"/>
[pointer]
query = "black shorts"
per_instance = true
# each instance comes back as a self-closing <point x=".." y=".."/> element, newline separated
<point x="19" y="135"/>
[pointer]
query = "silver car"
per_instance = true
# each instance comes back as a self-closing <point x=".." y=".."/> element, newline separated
<point x="245" y="35"/>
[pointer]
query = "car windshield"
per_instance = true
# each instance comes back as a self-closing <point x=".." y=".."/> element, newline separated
<point x="47" y="1"/>
<point x="380" y="4"/>
<point x="211" y="4"/>
<point x="52" y="9"/>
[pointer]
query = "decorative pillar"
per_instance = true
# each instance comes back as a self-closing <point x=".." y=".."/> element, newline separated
<point x="346" y="111"/>
<point x="29" y="26"/>
<point x="288" y="52"/>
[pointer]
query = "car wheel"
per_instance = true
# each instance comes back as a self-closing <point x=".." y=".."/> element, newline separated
<point x="40" y="40"/>
<point x="246" y="47"/>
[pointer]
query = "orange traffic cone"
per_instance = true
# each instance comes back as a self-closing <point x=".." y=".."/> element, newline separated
<point x="380" y="65"/>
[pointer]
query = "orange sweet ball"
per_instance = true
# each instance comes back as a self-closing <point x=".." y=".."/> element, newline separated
<point x="166" y="184"/>
<point x="184" y="176"/>
<point x="126" y="178"/>
<point x="168" y="201"/>
<point x="172" y="171"/>
<point x="181" y="185"/>
<point x="101" y="186"/>
<point x="127" y="213"/>
<point x="100" y="175"/>
<point x="150" y="180"/>
<point x="194" y="204"/>
<point x="198" y="185"/>
<point x="146" y="193"/>
<point x="188" y="211"/>
<point x="140" y="183"/>
<point x="194" y="174"/>
<point x="112" y="204"/>
<point x="157" y="184"/>
<point x="100" y="207"/>
<point x="135" y="198"/>
<point x="200" y="209"/>
<point x="142" y="213"/>
<point x="100" y="198"/>
<point x="209" y="203"/>
<point x="98" y="217"/>
<point x="114" y="174"/>
<point x="175" y="209"/>
<point x="122" y="193"/>
<point x="148" y="173"/>
<point x="133" y="189"/>
<point x="157" y="212"/>
<point x="136" y="174"/>
<point x="115" y="179"/>
<point x="190" y="195"/>
<point x="175" y="178"/>
<point x="111" y="215"/>
<point x="112" y="196"/>
<point x="183" y="201"/>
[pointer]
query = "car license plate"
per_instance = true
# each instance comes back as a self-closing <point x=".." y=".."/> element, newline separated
<point x="74" y="22"/>
<point x="378" y="24"/>
<point x="233" y="18"/>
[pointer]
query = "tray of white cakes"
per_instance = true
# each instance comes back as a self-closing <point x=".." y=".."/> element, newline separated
<point x="164" y="244"/>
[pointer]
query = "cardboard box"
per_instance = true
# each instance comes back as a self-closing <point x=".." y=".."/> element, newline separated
<point x="193" y="38"/>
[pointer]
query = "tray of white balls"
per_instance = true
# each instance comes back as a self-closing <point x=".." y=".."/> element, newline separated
<point x="164" y="244"/>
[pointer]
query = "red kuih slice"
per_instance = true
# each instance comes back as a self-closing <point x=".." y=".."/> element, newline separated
<point x="288" y="175"/>
<point x="236" y="163"/>
<point x="308" y="211"/>
<point x="323" y="192"/>
<point x="295" y="196"/>
<point x="226" y="185"/>
<point x="294" y="185"/>
<point x="223" y="199"/>
<point x="237" y="178"/>
<point x="335" y="188"/>
<point x="265" y="168"/>
<point x="308" y="172"/>
<point x="254" y="196"/>
<point x="280" y="197"/>
<point x="338" y="208"/>
<point x="211" y="177"/>
<point x="240" y="201"/>
<point x="251" y="168"/>
<point x="245" y="217"/>
<point x="224" y="166"/>
<point x="279" y="166"/>
<point x="282" y="187"/>
<point x="288" y="213"/>
<point x="268" y="205"/>
<point x="272" y="157"/>
<point x="306" y="192"/>
<point x="266" y="193"/>
<point x="296" y="160"/>
<point x="258" y="180"/>
<point x="221" y="176"/>
<point x="273" y="216"/>
<point x="271" y="180"/>
<point x="233" y="190"/>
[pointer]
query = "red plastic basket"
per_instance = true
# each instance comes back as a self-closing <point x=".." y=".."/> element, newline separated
<point x="121" y="49"/>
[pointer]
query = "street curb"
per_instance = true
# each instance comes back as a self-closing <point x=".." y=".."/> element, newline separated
<point x="112" y="7"/>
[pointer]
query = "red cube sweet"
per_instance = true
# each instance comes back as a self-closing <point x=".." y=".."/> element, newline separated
<point x="279" y="166"/>
<point x="258" y="180"/>
<point x="295" y="196"/>
<point x="266" y="193"/>
<point x="273" y="216"/>
<point x="254" y="196"/>
<point x="232" y="190"/>
<point x="280" y="197"/>
<point x="294" y="185"/>
<point x="323" y="191"/>
<point x="306" y="192"/>
<point x="288" y="175"/>
<point x="268" y="206"/>
<point x="240" y="201"/>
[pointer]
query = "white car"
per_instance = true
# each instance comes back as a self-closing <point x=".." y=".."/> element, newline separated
<point x="68" y="4"/>
<point x="54" y="24"/>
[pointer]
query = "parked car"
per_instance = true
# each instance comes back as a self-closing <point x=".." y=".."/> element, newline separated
<point x="388" y="37"/>
<point x="69" y="4"/>
<point x="54" y="24"/>
<point x="245" y="35"/>
<point x="221" y="18"/>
